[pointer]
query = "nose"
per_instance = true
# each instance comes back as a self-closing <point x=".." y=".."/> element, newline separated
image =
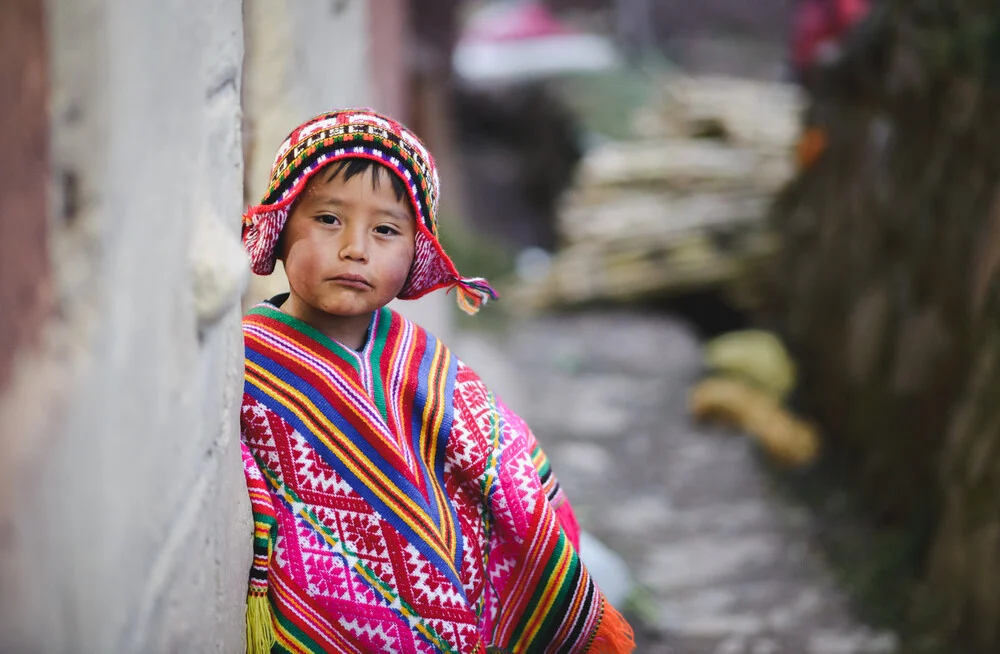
<point x="354" y="246"/>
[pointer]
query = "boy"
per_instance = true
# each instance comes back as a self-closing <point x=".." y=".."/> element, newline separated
<point x="398" y="506"/>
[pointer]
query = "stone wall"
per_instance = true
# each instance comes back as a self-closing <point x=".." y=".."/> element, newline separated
<point x="124" y="521"/>
<point x="887" y="291"/>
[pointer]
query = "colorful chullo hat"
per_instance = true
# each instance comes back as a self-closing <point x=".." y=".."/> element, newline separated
<point x="351" y="134"/>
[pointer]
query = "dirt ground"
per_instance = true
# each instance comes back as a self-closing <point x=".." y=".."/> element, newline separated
<point x="722" y="563"/>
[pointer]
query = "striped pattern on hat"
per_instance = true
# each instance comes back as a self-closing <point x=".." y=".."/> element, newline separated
<point x="351" y="134"/>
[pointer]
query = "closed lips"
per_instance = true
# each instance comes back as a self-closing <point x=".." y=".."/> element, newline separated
<point x="352" y="279"/>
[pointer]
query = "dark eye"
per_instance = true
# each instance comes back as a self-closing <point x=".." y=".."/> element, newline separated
<point x="328" y="219"/>
<point x="386" y="230"/>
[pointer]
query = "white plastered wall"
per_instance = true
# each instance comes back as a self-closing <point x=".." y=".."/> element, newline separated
<point x="123" y="483"/>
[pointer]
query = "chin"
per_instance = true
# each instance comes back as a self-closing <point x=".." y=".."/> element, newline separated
<point x="349" y="311"/>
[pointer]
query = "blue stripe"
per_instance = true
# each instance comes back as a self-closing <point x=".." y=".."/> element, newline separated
<point x="420" y="401"/>
<point x="339" y="423"/>
<point x="419" y="405"/>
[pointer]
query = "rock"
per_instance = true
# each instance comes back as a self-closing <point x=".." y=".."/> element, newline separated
<point x="860" y="642"/>
<point x="220" y="270"/>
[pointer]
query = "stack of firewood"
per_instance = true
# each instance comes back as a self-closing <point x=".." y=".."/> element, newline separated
<point x="682" y="206"/>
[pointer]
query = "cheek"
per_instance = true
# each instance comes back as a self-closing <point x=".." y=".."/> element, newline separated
<point x="303" y="262"/>
<point x="401" y="265"/>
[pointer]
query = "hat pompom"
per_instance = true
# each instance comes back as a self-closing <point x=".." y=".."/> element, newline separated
<point x="472" y="293"/>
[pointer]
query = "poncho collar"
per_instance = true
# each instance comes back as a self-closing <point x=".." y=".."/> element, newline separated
<point x="359" y="422"/>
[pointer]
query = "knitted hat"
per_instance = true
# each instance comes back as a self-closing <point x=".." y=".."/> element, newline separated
<point x="352" y="134"/>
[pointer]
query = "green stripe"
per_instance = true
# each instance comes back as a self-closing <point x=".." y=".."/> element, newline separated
<point x="545" y="460"/>
<point x="263" y="518"/>
<point x="540" y="589"/>
<point x="378" y="386"/>
<point x="486" y="487"/>
<point x="549" y="627"/>
<point x="313" y="333"/>
<point x="296" y="633"/>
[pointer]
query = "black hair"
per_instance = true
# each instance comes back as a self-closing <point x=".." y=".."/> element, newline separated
<point x="359" y="165"/>
<point x="349" y="168"/>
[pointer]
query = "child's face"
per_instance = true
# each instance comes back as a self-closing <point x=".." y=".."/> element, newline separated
<point x="347" y="246"/>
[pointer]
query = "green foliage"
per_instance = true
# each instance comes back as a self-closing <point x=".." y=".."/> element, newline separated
<point x="956" y="36"/>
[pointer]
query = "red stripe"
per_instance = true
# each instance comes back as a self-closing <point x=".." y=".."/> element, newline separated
<point x="317" y="627"/>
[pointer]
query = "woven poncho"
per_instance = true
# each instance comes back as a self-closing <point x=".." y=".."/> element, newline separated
<point x="399" y="507"/>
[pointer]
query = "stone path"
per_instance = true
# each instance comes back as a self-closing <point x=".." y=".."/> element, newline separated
<point x="728" y="566"/>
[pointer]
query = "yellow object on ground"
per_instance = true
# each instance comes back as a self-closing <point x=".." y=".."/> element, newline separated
<point x="788" y="439"/>
<point x="756" y="356"/>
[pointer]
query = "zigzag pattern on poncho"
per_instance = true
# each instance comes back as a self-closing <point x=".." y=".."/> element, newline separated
<point x="399" y="507"/>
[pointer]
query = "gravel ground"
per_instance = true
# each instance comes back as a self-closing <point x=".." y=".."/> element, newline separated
<point x="721" y="562"/>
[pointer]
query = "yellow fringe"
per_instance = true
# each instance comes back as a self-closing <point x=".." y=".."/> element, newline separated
<point x="260" y="629"/>
<point x="468" y="301"/>
<point x="614" y="635"/>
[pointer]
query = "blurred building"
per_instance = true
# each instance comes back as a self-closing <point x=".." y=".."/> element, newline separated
<point x="717" y="36"/>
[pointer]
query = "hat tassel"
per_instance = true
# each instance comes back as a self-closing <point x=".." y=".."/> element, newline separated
<point x="472" y="293"/>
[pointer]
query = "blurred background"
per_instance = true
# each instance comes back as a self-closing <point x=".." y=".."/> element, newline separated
<point x="747" y="256"/>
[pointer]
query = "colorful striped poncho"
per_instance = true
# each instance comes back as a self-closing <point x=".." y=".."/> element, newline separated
<point x="399" y="507"/>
